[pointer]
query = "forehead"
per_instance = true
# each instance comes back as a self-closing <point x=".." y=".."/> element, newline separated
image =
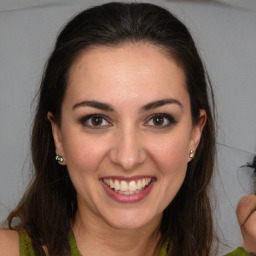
<point x="136" y="70"/>
<point x="128" y="53"/>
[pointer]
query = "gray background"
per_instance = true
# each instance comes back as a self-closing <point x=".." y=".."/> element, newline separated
<point x="226" y="37"/>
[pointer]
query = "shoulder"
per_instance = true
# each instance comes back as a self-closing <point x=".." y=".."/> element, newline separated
<point x="246" y="215"/>
<point x="9" y="242"/>
<point x="238" y="252"/>
<point x="245" y="207"/>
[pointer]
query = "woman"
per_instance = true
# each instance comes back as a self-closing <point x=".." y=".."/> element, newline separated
<point x="123" y="142"/>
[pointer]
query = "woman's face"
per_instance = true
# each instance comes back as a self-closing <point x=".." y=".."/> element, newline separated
<point x="126" y="133"/>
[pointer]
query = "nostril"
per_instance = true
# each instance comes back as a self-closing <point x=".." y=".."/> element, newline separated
<point x="127" y="157"/>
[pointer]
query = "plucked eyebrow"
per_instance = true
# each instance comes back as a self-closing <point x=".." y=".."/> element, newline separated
<point x="94" y="104"/>
<point x="159" y="103"/>
<point x="108" y="107"/>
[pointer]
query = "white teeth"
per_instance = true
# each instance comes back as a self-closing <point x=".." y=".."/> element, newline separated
<point x="139" y="185"/>
<point x="127" y="188"/>
<point x="116" y="185"/>
<point x="132" y="186"/>
<point x="143" y="183"/>
<point x="106" y="181"/>
<point x="124" y="186"/>
<point x="111" y="183"/>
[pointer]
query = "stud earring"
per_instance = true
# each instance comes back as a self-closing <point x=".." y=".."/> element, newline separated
<point x="191" y="154"/>
<point x="59" y="159"/>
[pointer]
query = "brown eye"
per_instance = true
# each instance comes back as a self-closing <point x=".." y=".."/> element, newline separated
<point x="158" y="120"/>
<point x="96" y="121"/>
<point x="161" y="120"/>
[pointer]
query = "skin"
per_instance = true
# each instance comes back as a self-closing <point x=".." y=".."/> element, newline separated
<point x="9" y="243"/>
<point x="246" y="215"/>
<point x="128" y="143"/>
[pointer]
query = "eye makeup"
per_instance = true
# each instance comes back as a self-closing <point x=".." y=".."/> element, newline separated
<point x="95" y="121"/>
<point x="100" y="121"/>
<point x="160" y="120"/>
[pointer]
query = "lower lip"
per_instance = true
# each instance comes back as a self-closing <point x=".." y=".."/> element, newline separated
<point x="128" y="198"/>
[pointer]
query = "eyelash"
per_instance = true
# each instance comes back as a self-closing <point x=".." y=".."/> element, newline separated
<point x="168" y="118"/>
<point x="84" y="121"/>
<point x="163" y="116"/>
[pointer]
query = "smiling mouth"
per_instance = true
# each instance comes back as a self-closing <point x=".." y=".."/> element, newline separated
<point x="128" y="187"/>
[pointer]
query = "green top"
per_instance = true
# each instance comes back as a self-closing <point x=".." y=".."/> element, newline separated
<point x="26" y="248"/>
<point x="238" y="252"/>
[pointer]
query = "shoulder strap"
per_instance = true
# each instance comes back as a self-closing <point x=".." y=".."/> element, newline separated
<point x="26" y="248"/>
<point x="165" y="249"/>
<point x="72" y="244"/>
<point x="238" y="252"/>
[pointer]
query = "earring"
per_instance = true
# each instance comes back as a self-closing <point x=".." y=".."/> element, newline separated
<point x="191" y="154"/>
<point x="59" y="159"/>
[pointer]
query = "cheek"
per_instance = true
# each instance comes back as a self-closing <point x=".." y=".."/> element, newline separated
<point x="83" y="157"/>
<point x="171" y="153"/>
<point x="84" y="153"/>
<point x="171" y="157"/>
<point x="171" y="162"/>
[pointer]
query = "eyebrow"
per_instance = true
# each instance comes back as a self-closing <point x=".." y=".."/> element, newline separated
<point x="108" y="107"/>
<point x="159" y="103"/>
<point x="94" y="104"/>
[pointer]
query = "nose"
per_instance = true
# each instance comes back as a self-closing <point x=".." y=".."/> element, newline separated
<point x="127" y="150"/>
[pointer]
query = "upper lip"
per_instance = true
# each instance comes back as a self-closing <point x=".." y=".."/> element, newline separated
<point x="137" y="177"/>
<point x="128" y="185"/>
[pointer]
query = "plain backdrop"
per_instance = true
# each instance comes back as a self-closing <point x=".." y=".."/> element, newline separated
<point x="226" y="38"/>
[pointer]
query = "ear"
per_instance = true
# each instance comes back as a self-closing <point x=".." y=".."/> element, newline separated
<point x="197" y="131"/>
<point x="57" y="137"/>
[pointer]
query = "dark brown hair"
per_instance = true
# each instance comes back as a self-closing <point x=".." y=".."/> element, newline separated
<point x="253" y="176"/>
<point x="49" y="203"/>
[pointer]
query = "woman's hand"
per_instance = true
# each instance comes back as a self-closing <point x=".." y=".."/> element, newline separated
<point x="246" y="215"/>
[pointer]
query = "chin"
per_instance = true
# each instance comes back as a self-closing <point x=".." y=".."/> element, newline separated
<point x="132" y="221"/>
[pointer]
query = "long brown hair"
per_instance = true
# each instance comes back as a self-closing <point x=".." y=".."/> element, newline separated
<point x="49" y="204"/>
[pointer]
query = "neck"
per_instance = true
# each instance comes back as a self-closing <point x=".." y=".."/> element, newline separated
<point x="94" y="236"/>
